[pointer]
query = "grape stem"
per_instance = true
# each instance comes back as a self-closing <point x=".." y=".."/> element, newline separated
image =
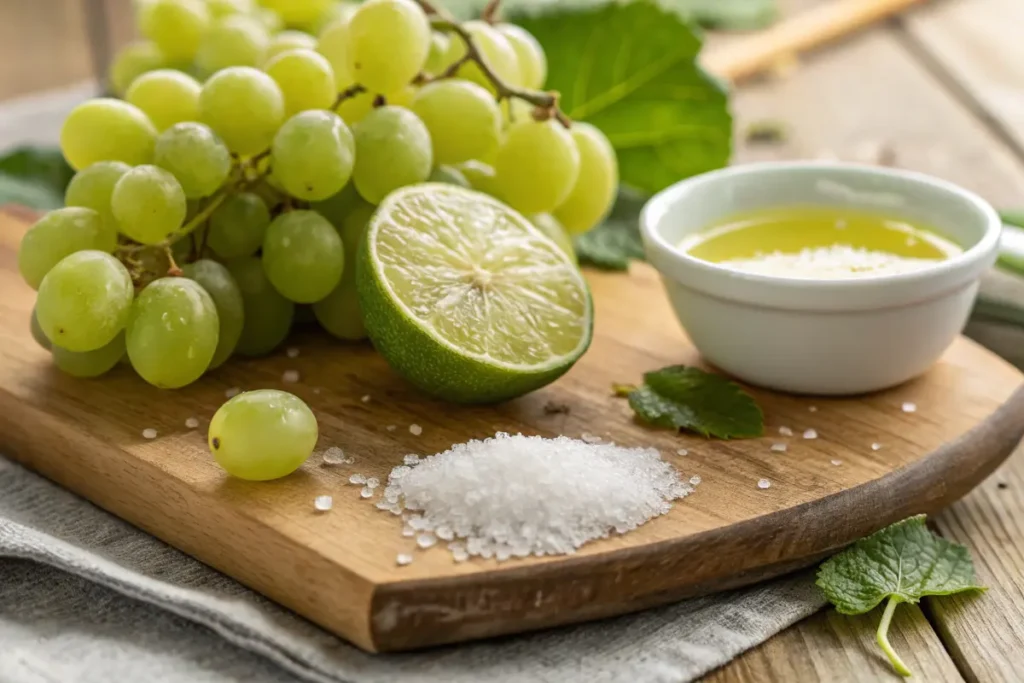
<point x="347" y="94"/>
<point x="490" y="13"/>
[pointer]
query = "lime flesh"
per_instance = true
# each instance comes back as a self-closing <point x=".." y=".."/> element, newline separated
<point x="466" y="298"/>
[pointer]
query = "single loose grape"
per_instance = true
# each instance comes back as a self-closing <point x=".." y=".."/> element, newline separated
<point x="194" y="155"/>
<point x="106" y="129"/>
<point x="393" y="150"/>
<point x="297" y="12"/>
<point x="227" y="298"/>
<point x="303" y="256"/>
<point x="388" y="42"/>
<point x="244" y="107"/>
<point x="92" y="187"/>
<point x="481" y="177"/>
<point x="166" y="96"/>
<point x="238" y="225"/>
<point x="290" y="40"/>
<point x="132" y="61"/>
<point x="90" y="363"/>
<point x="59" y="234"/>
<point x="439" y="43"/>
<point x="537" y="166"/>
<point x="533" y="64"/>
<point x="233" y="41"/>
<point x="84" y="300"/>
<point x="550" y="226"/>
<point x="262" y="435"/>
<point x="172" y="332"/>
<point x="149" y="204"/>
<point x="449" y="175"/>
<point x="497" y="53"/>
<point x="339" y="312"/>
<point x="305" y="78"/>
<point x="37" y="331"/>
<point x="463" y="120"/>
<point x="313" y="155"/>
<point x="268" y="315"/>
<point x="593" y="194"/>
<point x="176" y="26"/>
<point x="332" y="43"/>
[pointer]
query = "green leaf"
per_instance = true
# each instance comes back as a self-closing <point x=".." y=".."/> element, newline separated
<point x="688" y="398"/>
<point x="631" y="70"/>
<point x="41" y="166"/>
<point x="614" y="243"/>
<point x="34" y="195"/>
<point x="904" y="560"/>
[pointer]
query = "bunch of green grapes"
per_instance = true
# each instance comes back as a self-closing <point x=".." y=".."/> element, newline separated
<point x="235" y="174"/>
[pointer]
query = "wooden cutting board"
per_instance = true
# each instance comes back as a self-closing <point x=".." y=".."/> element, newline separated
<point x="338" y="568"/>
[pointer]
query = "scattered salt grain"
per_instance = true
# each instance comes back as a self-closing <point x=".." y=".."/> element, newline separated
<point x="357" y="479"/>
<point x="909" y="407"/>
<point x="460" y="554"/>
<point x="426" y="540"/>
<point x="232" y="392"/>
<point x="366" y="492"/>
<point x="334" y="456"/>
<point x="415" y="429"/>
<point x="695" y="479"/>
<point x="876" y="446"/>
<point x="779" y="447"/>
<point x="837" y="463"/>
<point x="812" y="409"/>
<point x="403" y="559"/>
<point x="785" y="431"/>
<point x="590" y="438"/>
<point x="149" y="433"/>
<point x="763" y="484"/>
<point x="410" y="460"/>
<point x="810" y="434"/>
<point x="408" y="532"/>
<point x="192" y="423"/>
<point x="682" y="451"/>
<point x="515" y="496"/>
<point x="373" y="482"/>
<point x="292" y="352"/>
<point x="391" y="428"/>
<point x="366" y="398"/>
<point x="290" y="376"/>
<point x="323" y="503"/>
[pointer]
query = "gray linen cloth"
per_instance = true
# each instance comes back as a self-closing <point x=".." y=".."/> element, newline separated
<point x="88" y="598"/>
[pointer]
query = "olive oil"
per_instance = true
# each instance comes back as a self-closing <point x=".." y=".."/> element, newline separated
<point x="819" y="242"/>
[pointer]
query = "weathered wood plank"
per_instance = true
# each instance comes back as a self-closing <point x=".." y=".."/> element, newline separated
<point x="831" y="647"/>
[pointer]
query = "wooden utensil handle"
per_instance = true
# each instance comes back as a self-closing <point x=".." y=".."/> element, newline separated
<point x="810" y="29"/>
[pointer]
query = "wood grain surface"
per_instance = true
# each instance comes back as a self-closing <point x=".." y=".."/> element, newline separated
<point x="339" y="568"/>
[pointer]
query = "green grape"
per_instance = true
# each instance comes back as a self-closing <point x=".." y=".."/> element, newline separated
<point x="533" y="64"/>
<point x="172" y="332"/>
<point x="303" y="256"/>
<point x="234" y="41"/>
<point x="58" y="234"/>
<point x="290" y="40"/>
<point x="270" y="19"/>
<point x="227" y="8"/>
<point x="227" y="298"/>
<point x="463" y="120"/>
<point x="84" y="300"/>
<point x="176" y="26"/>
<point x="195" y="156"/>
<point x="313" y="155"/>
<point x="305" y="78"/>
<point x="439" y="44"/>
<point x="515" y="110"/>
<point x="132" y="61"/>
<point x="449" y="175"/>
<point x="92" y="186"/>
<point x="336" y="207"/>
<point x="332" y="43"/>
<point x="339" y="10"/>
<point x="105" y="129"/>
<point x="37" y="331"/>
<point x="268" y="192"/>
<point x="149" y="204"/>
<point x="268" y="315"/>
<point x="388" y="42"/>
<point x="392" y="151"/>
<point x="166" y="96"/>
<point x="594" y="192"/>
<point x="298" y="12"/>
<point x="262" y="435"/>
<point x="238" y="225"/>
<point x="481" y="177"/>
<point x="497" y="53"/>
<point x="537" y="166"/>
<point x="90" y="363"/>
<point x="181" y="248"/>
<point x="339" y="312"/>
<point x="244" y="107"/>
<point x="550" y="226"/>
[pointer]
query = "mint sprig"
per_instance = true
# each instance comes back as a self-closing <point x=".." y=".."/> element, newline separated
<point x="902" y="563"/>
<point x="682" y="397"/>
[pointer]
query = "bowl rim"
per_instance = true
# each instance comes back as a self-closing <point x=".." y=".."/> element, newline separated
<point x="662" y="202"/>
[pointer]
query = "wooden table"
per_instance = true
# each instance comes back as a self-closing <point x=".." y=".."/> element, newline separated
<point x="939" y="90"/>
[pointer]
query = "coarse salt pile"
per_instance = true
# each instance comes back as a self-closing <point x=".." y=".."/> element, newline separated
<point x="515" y="496"/>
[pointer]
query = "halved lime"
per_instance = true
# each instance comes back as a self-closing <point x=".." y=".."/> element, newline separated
<point x="466" y="298"/>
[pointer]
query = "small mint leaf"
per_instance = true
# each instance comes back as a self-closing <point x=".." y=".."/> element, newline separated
<point x="614" y="243"/>
<point x="682" y="397"/>
<point x="905" y="561"/>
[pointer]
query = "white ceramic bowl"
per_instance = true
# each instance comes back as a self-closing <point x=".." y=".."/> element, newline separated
<point x="828" y="337"/>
